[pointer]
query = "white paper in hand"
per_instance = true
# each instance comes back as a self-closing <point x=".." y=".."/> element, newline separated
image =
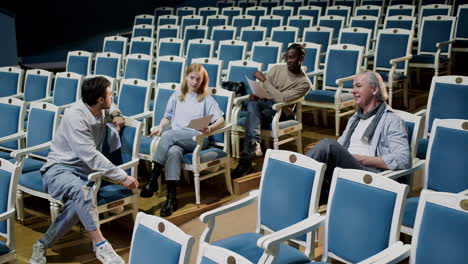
<point x="256" y="89"/>
<point x="200" y="123"/>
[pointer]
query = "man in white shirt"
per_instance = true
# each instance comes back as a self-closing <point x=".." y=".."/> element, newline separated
<point x="375" y="138"/>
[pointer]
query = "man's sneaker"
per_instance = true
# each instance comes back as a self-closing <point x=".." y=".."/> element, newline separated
<point x="257" y="149"/>
<point x="38" y="254"/>
<point x="106" y="254"/>
<point x="244" y="168"/>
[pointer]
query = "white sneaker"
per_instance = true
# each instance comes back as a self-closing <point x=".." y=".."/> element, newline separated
<point x="38" y="254"/>
<point x="258" y="149"/>
<point x="106" y="254"/>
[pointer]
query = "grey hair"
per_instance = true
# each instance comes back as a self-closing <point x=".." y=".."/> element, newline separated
<point x="375" y="80"/>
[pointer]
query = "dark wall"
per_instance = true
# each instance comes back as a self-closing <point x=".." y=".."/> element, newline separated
<point x="8" y="52"/>
<point x="43" y="25"/>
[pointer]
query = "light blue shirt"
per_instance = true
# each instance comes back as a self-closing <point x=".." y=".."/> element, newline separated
<point x="182" y="112"/>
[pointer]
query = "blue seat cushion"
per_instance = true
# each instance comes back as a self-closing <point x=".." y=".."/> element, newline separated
<point x="283" y="124"/>
<point x="409" y="212"/>
<point x="326" y="96"/>
<point x="145" y="144"/>
<point x="4" y="155"/>
<point x="206" y="155"/>
<point x="3" y="248"/>
<point x="246" y="246"/>
<point x="30" y="165"/>
<point x="422" y="148"/>
<point x="426" y="58"/>
<point x="110" y="192"/>
<point x="396" y="77"/>
<point x="32" y="180"/>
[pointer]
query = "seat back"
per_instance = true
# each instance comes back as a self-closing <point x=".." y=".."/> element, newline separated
<point x="144" y="19"/>
<point x="173" y="245"/>
<point x="162" y="94"/>
<point x="333" y="21"/>
<point x="169" y="69"/>
<point x="434" y="10"/>
<point x="161" y="11"/>
<point x="311" y="11"/>
<point x="225" y="4"/>
<point x="300" y="22"/>
<point x="319" y="35"/>
<point x="134" y="96"/>
<point x="242" y="21"/>
<point x="356" y="36"/>
<point x="257" y="12"/>
<point x="67" y="88"/>
<point x="170" y="47"/>
<point x="231" y="50"/>
<point x="220" y="33"/>
<point x="213" y="255"/>
<point x="116" y="44"/>
<point x="401" y="10"/>
<point x="42" y="124"/>
<point x="168" y="20"/>
<point x="199" y="48"/>
<point x="37" y="84"/>
<point x="142" y="45"/>
<point x="205" y="12"/>
<point x="414" y="127"/>
<point x="402" y="22"/>
<point x="12" y="112"/>
<point x="138" y="66"/>
<point x="343" y="60"/>
<point x="213" y="67"/>
<point x="269" y="4"/>
<point x="225" y="99"/>
<point x="79" y="61"/>
<point x="283" y="11"/>
<point x="190" y="20"/>
<point x="270" y="22"/>
<point x="288" y="178"/>
<point x="252" y="34"/>
<point x="215" y="21"/>
<point x="244" y="4"/>
<point x="11" y="81"/>
<point x="323" y="4"/>
<point x="372" y="205"/>
<point x="446" y="164"/>
<point x="143" y="30"/>
<point x="348" y="3"/>
<point x="168" y="31"/>
<point x="461" y="31"/>
<point x="231" y="12"/>
<point x="440" y="220"/>
<point x="391" y="44"/>
<point x="185" y="11"/>
<point x="369" y="22"/>
<point x="435" y="29"/>
<point x="284" y="35"/>
<point x="369" y="10"/>
<point x="9" y="175"/>
<point x="446" y="100"/>
<point x="295" y="4"/>
<point x="312" y="57"/>
<point x="194" y="32"/>
<point x="373" y="2"/>
<point x="238" y="70"/>
<point x="266" y="52"/>
<point x="339" y="10"/>
<point x="108" y="64"/>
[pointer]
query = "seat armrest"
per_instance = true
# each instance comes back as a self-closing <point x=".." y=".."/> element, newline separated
<point x="307" y="225"/>
<point x="395" y="174"/>
<point x="393" y="254"/>
<point x="140" y="116"/>
<point x="465" y="192"/>
<point x="13" y="137"/>
<point x="240" y="99"/>
<point x="439" y="45"/>
<point x="8" y="214"/>
<point x="95" y="175"/>
<point x="340" y="81"/>
<point x="199" y="138"/>
<point x="315" y="73"/>
<point x="395" y="60"/>
<point x="279" y="106"/>
<point x="251" y="198"/>
<point x="421" y="112"/>
<point x="17" y="154"/>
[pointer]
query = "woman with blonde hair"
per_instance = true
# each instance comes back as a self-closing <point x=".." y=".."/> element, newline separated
<point x="192" y="101"/>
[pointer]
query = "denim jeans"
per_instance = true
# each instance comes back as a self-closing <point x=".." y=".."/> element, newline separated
<point x="259" y="114"/>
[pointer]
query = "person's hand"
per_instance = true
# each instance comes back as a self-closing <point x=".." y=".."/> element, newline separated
<point x="157" y="130"/>
<point x="363" y="159"/>
<point x="259" y="76"/>
<point x="253" y="97"/>
<point x="119" y="122"/>
<point x="130" y="182"/>
<point x="206" y="130"/>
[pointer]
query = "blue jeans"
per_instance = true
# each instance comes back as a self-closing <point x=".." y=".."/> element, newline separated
<point x="259" y="114"/>
<point x="69" y="184"/>
<point x="171" y="148"/>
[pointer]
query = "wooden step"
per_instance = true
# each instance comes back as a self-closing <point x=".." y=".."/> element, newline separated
<point x="249" y="182"/>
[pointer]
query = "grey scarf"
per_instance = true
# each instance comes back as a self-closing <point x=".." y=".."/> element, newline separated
<point x="378" y="111"/>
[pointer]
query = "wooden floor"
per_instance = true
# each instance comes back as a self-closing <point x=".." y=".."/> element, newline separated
<point x="76" y="247"/>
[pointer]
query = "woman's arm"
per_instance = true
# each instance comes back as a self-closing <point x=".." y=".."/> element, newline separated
<point x="216" y="125"/>
<point x="159" y="128"/>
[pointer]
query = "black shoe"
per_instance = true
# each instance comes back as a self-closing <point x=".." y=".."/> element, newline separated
<point x="171" y="203"/>
<point x="152" y="186"/>
<point x="244" y="168"/>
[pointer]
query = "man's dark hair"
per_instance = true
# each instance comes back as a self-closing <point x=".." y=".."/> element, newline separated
<point x="94" y="88"/>
<point x="299" y="48"/>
